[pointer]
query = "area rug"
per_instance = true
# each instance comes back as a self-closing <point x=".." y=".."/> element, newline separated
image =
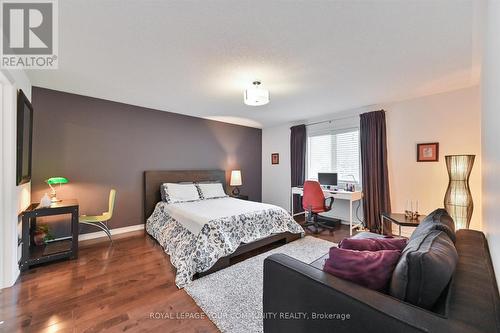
<point x="232" y="297"/>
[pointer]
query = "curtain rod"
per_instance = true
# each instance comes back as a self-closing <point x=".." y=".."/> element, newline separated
<point x="341" y="118"/>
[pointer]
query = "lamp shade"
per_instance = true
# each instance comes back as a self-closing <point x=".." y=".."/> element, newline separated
<point x="235" y="178"/>
<point x="458" y="199"/>
<point x="57" y="180"/>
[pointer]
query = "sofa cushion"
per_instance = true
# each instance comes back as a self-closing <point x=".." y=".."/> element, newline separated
<point x="424" y="269"/>
<point x="367" y="268"/>
<point x="437" y="220"/>
<point x="373" y="244"/>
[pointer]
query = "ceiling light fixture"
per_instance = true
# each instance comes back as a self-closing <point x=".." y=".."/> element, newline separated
<point x="255" y="95"/>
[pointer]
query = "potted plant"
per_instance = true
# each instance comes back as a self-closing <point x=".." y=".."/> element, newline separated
<point x="42" y="235"/>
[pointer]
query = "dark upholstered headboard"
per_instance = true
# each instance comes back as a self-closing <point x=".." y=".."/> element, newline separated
<point x="153" y="180"/>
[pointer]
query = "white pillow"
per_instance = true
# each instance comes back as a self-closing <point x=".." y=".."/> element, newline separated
<point x="212" y="190"/>
<point x="180" y="192"/>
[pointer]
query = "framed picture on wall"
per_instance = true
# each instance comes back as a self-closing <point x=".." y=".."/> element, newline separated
<point x="275" y="158"/>
<point x="428" y="152"/>
<point x="24" y="138"/>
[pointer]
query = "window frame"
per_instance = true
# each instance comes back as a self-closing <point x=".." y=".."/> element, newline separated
<point x="335" y="131"/>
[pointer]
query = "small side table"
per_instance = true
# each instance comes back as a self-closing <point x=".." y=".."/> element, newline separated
<point x="240" y="196"/>
<point x="53" y="250"/>
<point x="401" y="220"/>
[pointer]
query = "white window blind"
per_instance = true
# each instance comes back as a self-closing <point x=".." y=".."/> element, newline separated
<point x="335" y="151"/>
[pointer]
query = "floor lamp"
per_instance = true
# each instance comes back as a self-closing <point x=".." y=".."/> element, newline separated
<point x="458" y="199"/>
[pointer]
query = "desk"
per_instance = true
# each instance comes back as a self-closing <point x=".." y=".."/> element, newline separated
<point x="53" y="250"/>
<point x="337" y="195"/>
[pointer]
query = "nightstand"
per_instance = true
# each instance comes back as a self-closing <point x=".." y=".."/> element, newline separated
<point x="54" y="250"/>
<point x="240" y="196"/>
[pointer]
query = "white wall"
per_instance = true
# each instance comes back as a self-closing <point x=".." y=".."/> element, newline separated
<point x="276" y="179"/>
<point x="14" y="198"/>
<point x="491" y="132"/>
<point x="452" y="118"/>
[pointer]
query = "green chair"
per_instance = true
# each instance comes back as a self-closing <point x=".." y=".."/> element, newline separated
<point x="101" y="221"/>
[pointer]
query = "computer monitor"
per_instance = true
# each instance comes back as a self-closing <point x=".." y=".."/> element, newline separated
<point x="327" y="178"/>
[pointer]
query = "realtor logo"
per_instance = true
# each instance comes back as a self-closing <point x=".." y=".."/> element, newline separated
<point x="29" y="34"/>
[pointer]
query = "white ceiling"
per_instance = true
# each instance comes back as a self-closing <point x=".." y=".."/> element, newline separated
<point x="315" y="57"/>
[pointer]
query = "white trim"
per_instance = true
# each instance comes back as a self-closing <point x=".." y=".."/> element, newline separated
<point x="14" y="198"/>
<point x="115" y="231"/>
<point x="2" y="186"/>
<point x="332" y="131"/>
<point x="10" y="197"/>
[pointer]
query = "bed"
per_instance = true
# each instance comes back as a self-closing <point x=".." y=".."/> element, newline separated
<point x="204" y="236"/>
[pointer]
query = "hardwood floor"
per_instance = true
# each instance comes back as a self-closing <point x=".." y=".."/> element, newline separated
<point x="116" y="288"/>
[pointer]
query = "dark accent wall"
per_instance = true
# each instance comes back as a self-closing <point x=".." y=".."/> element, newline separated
<point x="99" y="145"/>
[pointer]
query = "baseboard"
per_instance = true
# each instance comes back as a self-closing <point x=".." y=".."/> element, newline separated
<point x="9" y="281"/>
<point x="115" y="231"/>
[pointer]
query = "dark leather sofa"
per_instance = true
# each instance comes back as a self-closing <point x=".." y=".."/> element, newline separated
<point x="295" y="292"/>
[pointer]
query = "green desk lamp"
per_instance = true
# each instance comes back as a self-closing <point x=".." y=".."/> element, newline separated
<point x="55" y="181"/>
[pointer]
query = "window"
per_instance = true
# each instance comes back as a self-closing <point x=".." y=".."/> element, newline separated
<point x="334" y="151"/>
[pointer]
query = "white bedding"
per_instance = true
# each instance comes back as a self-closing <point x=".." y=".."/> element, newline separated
<point x="225" y="224"/>
<point x="194" y="215"/>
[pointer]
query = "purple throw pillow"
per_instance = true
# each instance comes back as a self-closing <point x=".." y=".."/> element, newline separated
<point x="370" y="269"/>
<point x="373" y="244"/>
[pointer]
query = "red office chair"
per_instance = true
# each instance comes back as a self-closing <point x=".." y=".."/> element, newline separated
<point x="314" y="202"/>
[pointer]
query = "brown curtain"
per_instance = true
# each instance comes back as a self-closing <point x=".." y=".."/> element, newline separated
<point x="298" y="141"/>
<point x="376" y="198"/>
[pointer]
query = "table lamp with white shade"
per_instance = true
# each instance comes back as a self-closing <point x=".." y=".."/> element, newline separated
<point x="235" y="181"/>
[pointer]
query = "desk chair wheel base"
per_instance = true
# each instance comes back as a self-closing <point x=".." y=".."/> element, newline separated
<point x="321" y="224"/>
